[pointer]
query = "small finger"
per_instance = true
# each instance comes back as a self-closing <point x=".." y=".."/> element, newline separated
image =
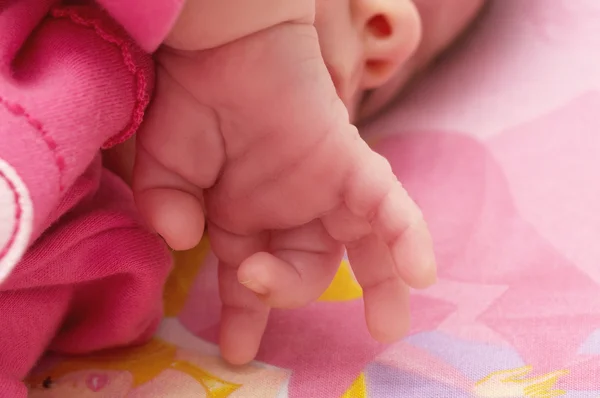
<point x="374" y="194"/>
<point x="400" y="224"/>
<point x="178" y="152"/>
<point x="301" y="265"/>
<point x="243" y="318"/>
<point x="386" y="295"/>
<point x="171" y="205"/>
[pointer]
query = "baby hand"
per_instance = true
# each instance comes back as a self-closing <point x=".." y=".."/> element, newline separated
<point x="252" y="135"/>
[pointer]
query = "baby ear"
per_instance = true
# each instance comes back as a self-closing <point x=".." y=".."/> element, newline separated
<point x="391" y="33"/>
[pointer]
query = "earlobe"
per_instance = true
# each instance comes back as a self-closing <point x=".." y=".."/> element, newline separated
<point x="391" y="33"/>
<point x="377" y="72"/>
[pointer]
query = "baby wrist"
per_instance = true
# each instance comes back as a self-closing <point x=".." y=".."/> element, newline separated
<point x="206" y="24"/>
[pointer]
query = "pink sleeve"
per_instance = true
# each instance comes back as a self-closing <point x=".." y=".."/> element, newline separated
<point x="78" y="84"/>
<point x="149" y="23"/>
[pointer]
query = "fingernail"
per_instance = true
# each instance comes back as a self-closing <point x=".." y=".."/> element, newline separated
<point x="255" y="287"/>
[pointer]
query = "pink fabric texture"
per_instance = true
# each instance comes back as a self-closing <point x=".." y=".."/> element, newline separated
<point x="92" y="281"/>
<point x="70" y="82"/>
<point x="78" y="270"/>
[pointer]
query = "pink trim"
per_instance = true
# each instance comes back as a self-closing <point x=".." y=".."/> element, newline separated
<point x="18" y="111"/>
<point x="142" y="96"/>
<point x="19" y="212"/>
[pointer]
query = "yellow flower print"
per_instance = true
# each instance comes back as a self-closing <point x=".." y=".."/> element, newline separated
<point x="515" y="383"/>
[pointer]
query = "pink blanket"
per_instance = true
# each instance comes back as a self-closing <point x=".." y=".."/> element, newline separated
<point x="499" y="146"/>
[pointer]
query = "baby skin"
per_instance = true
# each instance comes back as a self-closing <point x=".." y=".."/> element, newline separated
<point x="250" y="133"/>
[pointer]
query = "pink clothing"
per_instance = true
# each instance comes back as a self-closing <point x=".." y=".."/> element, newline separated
<point x="78" y="271"/>
<point x="93" y="280"/>
<point x="72" y="86"/>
